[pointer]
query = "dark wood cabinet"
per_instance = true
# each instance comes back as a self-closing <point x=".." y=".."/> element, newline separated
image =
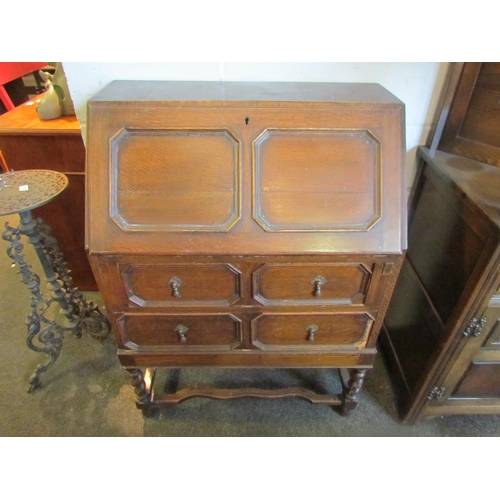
<point x="471" y="115"/>
<point x="245" y="225"/>
<point x="29" y="143"/>
<point x="440" y="335"/>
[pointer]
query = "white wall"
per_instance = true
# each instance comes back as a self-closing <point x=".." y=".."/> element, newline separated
<point x="417" y="84"/>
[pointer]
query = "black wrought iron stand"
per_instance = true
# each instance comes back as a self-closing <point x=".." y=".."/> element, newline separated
<point x="64" y="310"/>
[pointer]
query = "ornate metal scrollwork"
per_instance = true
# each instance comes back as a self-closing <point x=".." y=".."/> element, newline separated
<point x="91" y="318"/>
<point x="45" y="334"/>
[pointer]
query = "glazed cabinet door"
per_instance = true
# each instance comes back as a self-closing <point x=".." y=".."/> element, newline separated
<point x="473" y="383"/>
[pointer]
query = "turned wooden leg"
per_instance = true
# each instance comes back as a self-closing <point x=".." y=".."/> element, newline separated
<point x="351" y="391"/>
<point x="142" y="382"/>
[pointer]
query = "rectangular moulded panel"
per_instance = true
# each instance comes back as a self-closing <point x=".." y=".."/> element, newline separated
<point x="482" y="380"/>
<point x="181" y="285"/>
<point x="271" y="331"/>
<point x="491" y="329"/>
<point x="174" y="180"/>
<point x="308" y="284"/>
<point x="317" y="180"/>
<point x="180" y="332"/>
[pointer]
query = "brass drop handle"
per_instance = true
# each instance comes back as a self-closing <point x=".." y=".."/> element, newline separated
<point x="175" y="283"/>
<point x="311" y="330"/>
<point x="318" y="282"/>
<point x="182" y="330"/>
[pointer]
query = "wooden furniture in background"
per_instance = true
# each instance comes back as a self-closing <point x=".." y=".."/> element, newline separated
<point x="471" y="115"/>
<point x="29" y="143"/>
<point x="245" y="225"/>
<point x="441" y="335"/>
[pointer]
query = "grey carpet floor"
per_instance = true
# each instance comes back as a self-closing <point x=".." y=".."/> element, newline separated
<point x="87" y="393"/>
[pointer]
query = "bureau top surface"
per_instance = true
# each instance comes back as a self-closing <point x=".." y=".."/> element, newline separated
<point x="249" y="93"/>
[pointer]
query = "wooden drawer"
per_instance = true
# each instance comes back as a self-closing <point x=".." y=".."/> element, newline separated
<point x="180" y="332"/>
<point x="309" y="284"/>
<point x="159" y="285"/>
<point x="310" y="331"/>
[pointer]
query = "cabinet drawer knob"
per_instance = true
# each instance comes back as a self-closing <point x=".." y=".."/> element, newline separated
<point x="318" y="282"/>
<point x="311" y="330"/>
<point x="182" y="330"/>
<point x="175" y="283"/>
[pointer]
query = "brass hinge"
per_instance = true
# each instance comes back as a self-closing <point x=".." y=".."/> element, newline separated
<point x="436" y="393"/>
<point x="475" y="327"/>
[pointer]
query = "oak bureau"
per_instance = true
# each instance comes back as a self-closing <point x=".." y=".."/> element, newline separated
<point x="244" y="225"/>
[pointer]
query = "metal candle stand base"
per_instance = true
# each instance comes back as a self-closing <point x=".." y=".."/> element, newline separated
<point x="46" y="330"/>
<point x="45" y="334"/>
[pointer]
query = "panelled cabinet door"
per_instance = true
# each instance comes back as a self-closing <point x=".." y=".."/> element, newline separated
<point x="475" y="376"/>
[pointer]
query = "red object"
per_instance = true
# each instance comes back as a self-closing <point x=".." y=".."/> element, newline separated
<point x="10" y="71"/>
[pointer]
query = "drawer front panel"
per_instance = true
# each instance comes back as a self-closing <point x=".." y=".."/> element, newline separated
<point x="178" y="332"/>
<point x="182" y="285"/>
<point x="342" y="284"/>
<point x="310" y="331"/>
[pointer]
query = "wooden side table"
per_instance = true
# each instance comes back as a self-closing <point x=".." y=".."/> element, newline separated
<point x="21" y="192"/>
<point x="29" y="143"/>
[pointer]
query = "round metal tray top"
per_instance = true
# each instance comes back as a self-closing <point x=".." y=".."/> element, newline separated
<point x="27" y="189"/>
